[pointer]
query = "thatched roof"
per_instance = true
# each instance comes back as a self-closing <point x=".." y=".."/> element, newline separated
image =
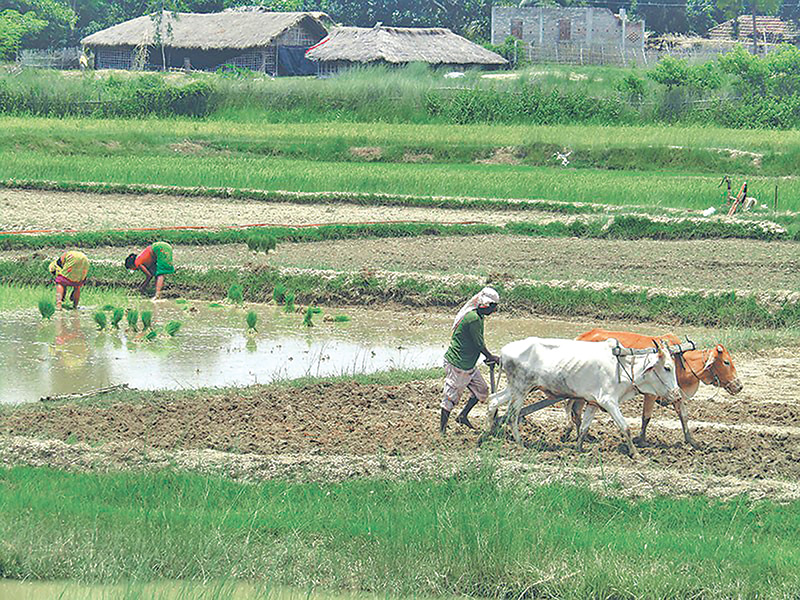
<point x="772" y="27"/>
<point x="399" y="45"/>
<point x="206" y="31"/>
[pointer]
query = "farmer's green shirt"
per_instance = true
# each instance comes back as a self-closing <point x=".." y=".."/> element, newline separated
<point x="467" y="342"/>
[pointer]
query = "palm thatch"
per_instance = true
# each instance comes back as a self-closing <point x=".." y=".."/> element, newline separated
<point x="401" y="45"/>
<point x="212" y="31"/>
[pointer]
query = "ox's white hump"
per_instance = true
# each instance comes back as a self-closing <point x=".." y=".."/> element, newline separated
<point x="612" y="342"/>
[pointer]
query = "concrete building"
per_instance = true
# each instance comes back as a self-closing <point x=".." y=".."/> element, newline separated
<point x="546" y="26"/>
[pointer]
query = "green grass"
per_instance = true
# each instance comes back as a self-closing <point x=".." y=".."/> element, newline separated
<point x="630" y="227"/>
<point x="624" y="188"/>
<point x="468" y="535"/>
<point x="718" y="310"/>
<point x="14" y="297"/>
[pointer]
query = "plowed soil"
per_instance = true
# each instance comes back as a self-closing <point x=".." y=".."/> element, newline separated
<point x="752" y="437"/>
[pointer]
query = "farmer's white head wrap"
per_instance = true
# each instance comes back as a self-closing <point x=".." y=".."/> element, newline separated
<point x="482" y="299"/>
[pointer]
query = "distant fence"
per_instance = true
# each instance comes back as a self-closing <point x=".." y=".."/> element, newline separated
<point x="567" y="53"/>
<point x="59" y="58"/>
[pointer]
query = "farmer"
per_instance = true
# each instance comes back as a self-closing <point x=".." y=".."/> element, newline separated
<point x="154" y="261"/>
<point x="466" y="345"/>
<point x="70" y="270"/>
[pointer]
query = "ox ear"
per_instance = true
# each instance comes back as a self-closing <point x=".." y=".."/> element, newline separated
<point x="720" y="349"/>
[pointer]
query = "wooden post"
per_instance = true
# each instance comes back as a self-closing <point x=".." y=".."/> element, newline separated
<point x="776" y="197"/>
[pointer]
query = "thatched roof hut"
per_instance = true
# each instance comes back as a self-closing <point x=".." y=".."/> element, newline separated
<point x="246" y="38"/>
<point x="349" y="46"/>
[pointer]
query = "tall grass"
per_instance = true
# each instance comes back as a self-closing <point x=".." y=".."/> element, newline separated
<point x="678" y="190"/>
<point x="468" y="535"/>
<point x="700" y="149"/>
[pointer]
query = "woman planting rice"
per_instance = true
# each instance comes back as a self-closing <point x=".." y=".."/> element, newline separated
<point x="70" y="269"/>
<point x="154" y="261"/>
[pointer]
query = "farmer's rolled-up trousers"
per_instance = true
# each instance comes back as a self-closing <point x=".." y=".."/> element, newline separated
<point x="457" y="380"/>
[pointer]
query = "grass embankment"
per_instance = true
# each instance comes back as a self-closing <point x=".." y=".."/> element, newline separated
<point x="621" y="227"/>
<point x="698" y="149"/>
<point x="465" y="535"/>
<point x="621" y="188"/>
<point x="364" y="288"/>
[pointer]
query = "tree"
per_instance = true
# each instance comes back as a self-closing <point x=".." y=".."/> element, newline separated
<point x="13" y="27"/>
<point x="701" y="15"/>
<point x="59" y="21"/>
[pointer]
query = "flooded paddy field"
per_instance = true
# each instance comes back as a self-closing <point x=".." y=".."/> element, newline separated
<point x="68" y="355"/>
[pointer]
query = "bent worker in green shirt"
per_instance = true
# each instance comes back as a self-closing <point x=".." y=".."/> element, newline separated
<point x="460" y="360"/>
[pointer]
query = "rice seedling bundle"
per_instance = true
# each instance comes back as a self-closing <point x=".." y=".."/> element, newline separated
<point x="252" y="320"/>
<point x="46" y="308"/>
<point x="279" y="293"/>
<point x="181" y="301"/>
<point x="133" y="319"/>
<point x="100" y="319"/>
<point x="151" y="335"/>
<point x="236" y="293"/>
<point x="316" y="310"/>
<point x="214" y="305"/>
<point x="116" y="317"/>
<point x="147" y="319"/>
<point x="307" y="317"/>
<point x="289" y="307"/>
<point x="107" y="307"/>
<point x="341" y="319"/>
<point x="172" y="328"/>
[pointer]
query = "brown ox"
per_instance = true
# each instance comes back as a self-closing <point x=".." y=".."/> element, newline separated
<point x="712" y="366"/>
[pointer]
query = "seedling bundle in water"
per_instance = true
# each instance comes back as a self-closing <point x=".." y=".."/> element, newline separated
<point x="116" y="317"/>
<point x="261" y="242"/>
<point x="147" y="319"/>
<point x="100" y="319"/>
<point x="279" y="293"/>
<point x="107" y="307"/>
<point x="308" y="316"/>
<point x="341" y="319"/>
<point x="236" y="293"/>
<point x="46" y="308"/>
<point x="252" y="320"/>
<point x="133" y="319"/>
<point x="151" y="335"/>
<point x="289" y="308"/>
<point x="172" y="328"/>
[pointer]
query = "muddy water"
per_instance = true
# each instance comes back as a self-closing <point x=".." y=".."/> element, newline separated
<point x="69" y="355"/>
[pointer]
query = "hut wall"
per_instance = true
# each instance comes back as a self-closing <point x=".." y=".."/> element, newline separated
<point x="113" y="57"/>
<point x="327" y="68"/>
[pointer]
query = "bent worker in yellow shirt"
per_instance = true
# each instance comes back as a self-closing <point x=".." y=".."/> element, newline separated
<point x="71" y="270"/>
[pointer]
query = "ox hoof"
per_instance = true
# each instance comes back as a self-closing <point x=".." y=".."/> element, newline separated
<point x="641" y="442"/>
<point x="695" y="445"/>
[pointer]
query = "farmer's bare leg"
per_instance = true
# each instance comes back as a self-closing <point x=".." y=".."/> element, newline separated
<point x="75" y="296"/>
<point x="159" y="286"/>
<point x="60" y="292"/>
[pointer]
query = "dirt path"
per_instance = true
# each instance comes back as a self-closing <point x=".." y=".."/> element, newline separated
<point x="754" y="436"/>
<point x="31" y="209"/>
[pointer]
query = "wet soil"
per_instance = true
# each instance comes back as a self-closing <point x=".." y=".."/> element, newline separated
<point x="752" y="437"/>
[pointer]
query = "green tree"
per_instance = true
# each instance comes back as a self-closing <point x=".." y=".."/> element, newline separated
<point x="14" y="26"/>
<point x="59" y="21"/>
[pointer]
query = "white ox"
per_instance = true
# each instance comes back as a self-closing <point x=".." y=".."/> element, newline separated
<point x="586" y="370"/>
